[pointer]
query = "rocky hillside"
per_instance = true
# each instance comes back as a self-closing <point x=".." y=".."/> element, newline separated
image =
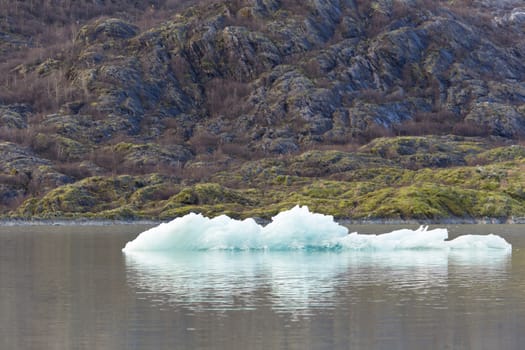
<point x="364" y="109"/>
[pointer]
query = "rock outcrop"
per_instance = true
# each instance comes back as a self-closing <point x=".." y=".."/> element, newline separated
<point x="217" y="84"/>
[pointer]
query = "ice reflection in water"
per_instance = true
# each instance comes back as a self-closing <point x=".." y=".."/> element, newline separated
<point x="299" y="282"/>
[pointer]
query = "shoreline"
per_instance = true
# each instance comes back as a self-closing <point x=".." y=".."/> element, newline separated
<point x="450" y="221"/>
<point x="344" y="222"/>
<point x="76" y="222"/>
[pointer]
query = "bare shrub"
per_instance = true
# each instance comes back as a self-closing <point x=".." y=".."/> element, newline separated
<point x="109" y="160"/>
<point x="372" y="95"/>
<point x="468" y="128"/>
<point x="19" y="136"/>
<point x="313" y="69"/>
<point x="201" y="172"/>
<point x="349" y="146"/>
<point x="14" y="180"/>
<point x="49" y="147"/>
<point x="243" y="17"/>
<point x="400" y="9"/>
<point x="375" y="131"/>
<point x="378" y="23"/>
<point x="175" y="134"/>
<point x="204" y="142"/>
<point x="426" y="123"/>
<point x="45" y="92"/>
<point x="235" y="150"/>
<point x="180" y="67"/>
<point x="74" y="170"/>
<point x="164" y="192"/>
<point x="346" y="141"/>
<point x="226" y="97"/>
<point x="298" y="7"/>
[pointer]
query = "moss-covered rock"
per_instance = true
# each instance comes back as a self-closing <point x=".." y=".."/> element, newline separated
<point x="251" y="107"/>
<point x="82" y="198"/>
<point x="152" y="156"/>
<point x="16" y="159"/>
<point x="419" y="152"/>
<point x="499" y="154"/>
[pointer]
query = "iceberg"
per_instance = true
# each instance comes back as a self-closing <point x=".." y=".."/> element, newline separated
<point x="296" y="229"/>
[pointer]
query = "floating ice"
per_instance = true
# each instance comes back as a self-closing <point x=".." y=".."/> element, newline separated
<point x="295" y="229"/>
<point x="298" y="228"/>
<point x="196" y="232"/>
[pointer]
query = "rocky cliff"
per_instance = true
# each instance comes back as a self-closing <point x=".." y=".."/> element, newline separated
<point x="363" y="109"/>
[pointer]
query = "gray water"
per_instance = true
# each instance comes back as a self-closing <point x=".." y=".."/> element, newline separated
<point x="72" y="288"/>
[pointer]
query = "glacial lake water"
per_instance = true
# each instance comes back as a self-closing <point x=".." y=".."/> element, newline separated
<point x="72" y="287"/>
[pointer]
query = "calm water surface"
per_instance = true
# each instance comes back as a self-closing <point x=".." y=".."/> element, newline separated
<point x="73" y="288"/>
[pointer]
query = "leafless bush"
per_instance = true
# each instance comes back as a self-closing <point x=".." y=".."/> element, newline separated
<point x="14" y="180"/>
<point x="348" y="146"/>
<point x="468" y="128"/>
<point x="204" y="142"/>
<point x="375" y="131"/>
<point x="298" y="7"/>
<point x="19" y="136"/>
<point x="427" y="127"/>
<point x="203" y="172"/>
<point x="426" y="123"/>
<point x="163" y="192"/>
<point x="313" y="69"/>
<point x="175" y="134"/>
<point x="74" y="170"/>
<point x="242" y="16"/>
<point x="478" y="160"/>
<point x="400" y="9"/>
<point x="226" y="97"/>
<point x="180" y="68"/>
<point x="377" y="23"/>
<point x="49" y="147"/>
<point x="236" y="150"/>
<point x="44" y="92"/>
<point x="109" y="160"/>
<point x="372" y="95"/>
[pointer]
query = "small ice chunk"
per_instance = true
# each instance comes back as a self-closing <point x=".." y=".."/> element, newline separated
<point x="479" y="242"/>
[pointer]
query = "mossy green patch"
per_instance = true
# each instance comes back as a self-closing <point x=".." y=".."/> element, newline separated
<point x="500" y="154"/>
<point x="355" y="186"/>
<point x="325" y="189"/>
<point x="83" y="198"/>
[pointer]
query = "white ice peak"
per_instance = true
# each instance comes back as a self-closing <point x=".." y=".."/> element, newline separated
<point x="295" y="229"/>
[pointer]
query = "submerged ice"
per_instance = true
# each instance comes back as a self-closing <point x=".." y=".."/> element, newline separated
<point x="295" y="229"/>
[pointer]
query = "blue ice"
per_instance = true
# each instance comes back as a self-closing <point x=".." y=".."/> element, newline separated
<point x="296" y="229"/>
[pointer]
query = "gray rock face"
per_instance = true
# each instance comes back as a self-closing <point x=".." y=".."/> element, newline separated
<point x="302" y="65"/>
<point x="107" y="29"/>
<point x="505" y="121"/>
<point x="23" y="173"/>
<point x="16" y="159"/>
